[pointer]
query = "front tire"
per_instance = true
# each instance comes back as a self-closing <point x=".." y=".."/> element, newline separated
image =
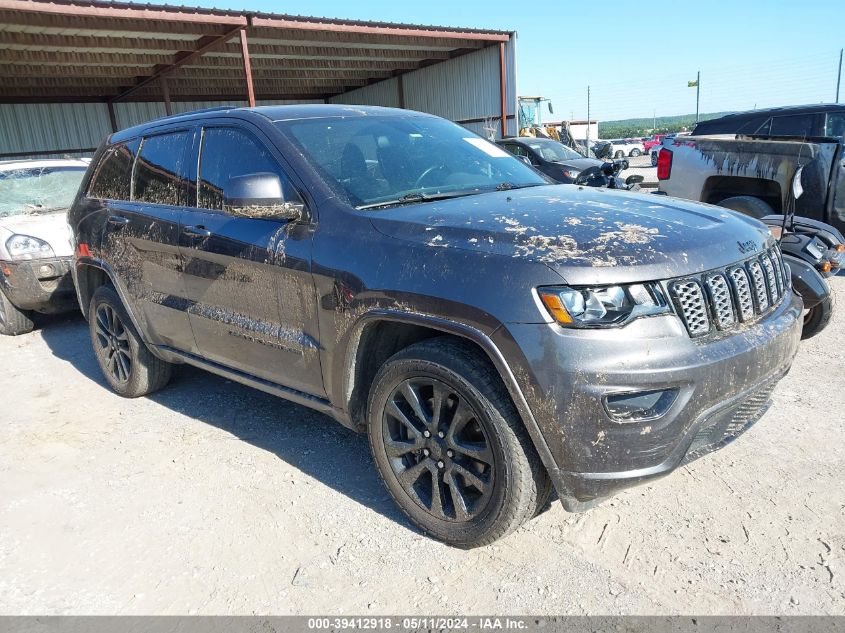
<point x="817" y="318"/>
<point x="635" y="153"/>
<point x="13" y="320"/>
<point x="449" y="444"/>
<point x="127" y="364"/>
<point x="654" y="160"/>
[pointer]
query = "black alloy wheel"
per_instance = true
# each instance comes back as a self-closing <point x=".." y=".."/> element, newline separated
<point x="438" y="449"/>
<point x="450" y="446"/>
<point x="114" y="343"/>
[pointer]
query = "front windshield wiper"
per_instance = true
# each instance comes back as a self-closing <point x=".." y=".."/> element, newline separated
<point x="38" y="210"/>
<point x="414" y="198"/>
<point x="507" y="186"/>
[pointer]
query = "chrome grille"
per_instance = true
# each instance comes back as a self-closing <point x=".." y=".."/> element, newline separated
<point x="742" y="293"/>
<point x="725" y="297"/>
<point x="772" y="284"/>
<point x="690" y="299"/>
<point x="758" y="281"/>
<point x="720" y="301"/>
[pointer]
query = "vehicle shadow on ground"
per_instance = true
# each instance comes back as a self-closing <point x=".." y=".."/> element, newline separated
<point x="300" y="437"/>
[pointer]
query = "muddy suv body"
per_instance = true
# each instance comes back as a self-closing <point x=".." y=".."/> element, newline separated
<point x="493" y="333"/>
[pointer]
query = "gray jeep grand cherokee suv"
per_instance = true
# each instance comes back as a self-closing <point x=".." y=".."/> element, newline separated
<point x="493" y="334"/>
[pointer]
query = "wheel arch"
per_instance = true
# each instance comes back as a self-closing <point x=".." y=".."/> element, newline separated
<point x="718" y="188"/>
<point x="89" y="274"/>
<point x="380" y="334"/>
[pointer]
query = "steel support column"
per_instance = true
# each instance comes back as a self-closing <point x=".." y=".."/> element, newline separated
<point x="250" y="91"/>
<point x="503" y="90"/>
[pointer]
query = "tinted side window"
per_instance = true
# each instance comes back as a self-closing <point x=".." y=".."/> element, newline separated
<point x="228" y="153"/>
<point x="835" y="125"/>
<point x="795" y="125"/>
<point x="159" y="174"/>
<point x="113" y="177"/>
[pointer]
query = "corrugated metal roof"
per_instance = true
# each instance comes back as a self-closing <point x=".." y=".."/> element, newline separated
<point x="90" y="49"/>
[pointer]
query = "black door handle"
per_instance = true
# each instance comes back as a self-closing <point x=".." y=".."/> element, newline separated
<point x="196" y="231"/>
<point x="118" y="220"/>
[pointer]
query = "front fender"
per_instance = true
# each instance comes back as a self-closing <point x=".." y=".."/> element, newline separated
<point x="807" y="281"/>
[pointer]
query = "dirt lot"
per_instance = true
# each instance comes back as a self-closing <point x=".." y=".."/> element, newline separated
<point x="216" y="499"/>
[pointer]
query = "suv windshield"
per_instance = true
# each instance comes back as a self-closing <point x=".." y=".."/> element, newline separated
<point x="554" y="151"/>
<point x="38" y="189"/>
<point x="389" y="160"/>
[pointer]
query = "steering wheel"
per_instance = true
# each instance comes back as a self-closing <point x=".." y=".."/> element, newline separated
<point x="419" y="182"/>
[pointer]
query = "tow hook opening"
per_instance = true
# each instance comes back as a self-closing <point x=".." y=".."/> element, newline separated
<point x="639" y="406"/>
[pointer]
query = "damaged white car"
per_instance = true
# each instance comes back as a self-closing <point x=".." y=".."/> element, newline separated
<point x="35" y="248"/>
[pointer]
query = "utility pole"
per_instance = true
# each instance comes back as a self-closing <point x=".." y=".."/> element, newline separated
<point x="588" y="121"/>
<point x="697" y="93"/>
<point x="839" y="75"/>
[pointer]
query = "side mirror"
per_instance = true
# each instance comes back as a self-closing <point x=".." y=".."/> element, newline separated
<point x="259" y="195"/>
<point x="634" y="179"/>
<point x="525" y="159"/>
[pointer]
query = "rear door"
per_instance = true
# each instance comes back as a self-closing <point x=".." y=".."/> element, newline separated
<point x="249" y="279"/>
<point x="141" y="237"/>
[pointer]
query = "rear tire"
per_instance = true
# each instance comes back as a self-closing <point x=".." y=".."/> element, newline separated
<point x="817" y="318"/>
<point x="127" y="364"/>
<point x="619" y="154"/>
<point x="450" y="446"/>
<point x="748" y="205"/>
<point x="13" y="320"/>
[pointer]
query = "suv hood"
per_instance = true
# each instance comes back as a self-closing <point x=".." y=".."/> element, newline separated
<point x="587" y="235"/>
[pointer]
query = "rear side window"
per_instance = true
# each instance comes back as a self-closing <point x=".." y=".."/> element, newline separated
<point x="228" y="153"/>
<point x="113" y="178"/>
<point x="795" y="125"/>
<point x="835" y="125"/>
<point x="159" y="172"/>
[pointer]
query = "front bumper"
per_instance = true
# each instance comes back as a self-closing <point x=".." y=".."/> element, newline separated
<point x="722" y="386"/>
<point x="42" y="285"/>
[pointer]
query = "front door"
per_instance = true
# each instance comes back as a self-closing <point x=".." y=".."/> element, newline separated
<point x="249" y="279"/>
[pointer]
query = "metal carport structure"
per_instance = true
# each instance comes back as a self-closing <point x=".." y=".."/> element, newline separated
<point x="71" y="71"/>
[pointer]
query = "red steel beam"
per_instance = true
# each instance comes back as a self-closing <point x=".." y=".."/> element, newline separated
<point x="372" y="29"/>
<point x="165" y="92"/>
<point x="180" y="59"/>
<point x="123" y="12"/>
<point x="250" y="92"/>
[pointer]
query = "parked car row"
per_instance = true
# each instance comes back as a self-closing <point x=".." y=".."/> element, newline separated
<point x="495" y="334"/>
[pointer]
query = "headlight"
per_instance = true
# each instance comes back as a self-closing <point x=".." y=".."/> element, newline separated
<point x="27" y="247"/>
<point x="571" y="173"/>
<point x="604" y="306"/>
<point x="816" y="248"/>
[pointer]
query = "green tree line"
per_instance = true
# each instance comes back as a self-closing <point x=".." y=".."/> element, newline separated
<point x="628" y="128"/>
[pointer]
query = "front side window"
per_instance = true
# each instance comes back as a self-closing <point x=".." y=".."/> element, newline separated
<point x="159" y="173"/>
<point x="374" y="161"/>
<point x="113" y="178"/>
<point x="229" y="153"/>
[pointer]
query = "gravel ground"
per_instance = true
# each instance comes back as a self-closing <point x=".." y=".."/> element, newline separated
<point x="213" y="498"/>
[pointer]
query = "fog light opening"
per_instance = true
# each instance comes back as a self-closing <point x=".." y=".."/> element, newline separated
<point x="639" y="405"/>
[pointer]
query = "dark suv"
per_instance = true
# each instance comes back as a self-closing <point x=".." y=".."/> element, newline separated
<point x="493" y="334"/>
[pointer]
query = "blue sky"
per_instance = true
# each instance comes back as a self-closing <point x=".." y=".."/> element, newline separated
<point x="637" y="56"/>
